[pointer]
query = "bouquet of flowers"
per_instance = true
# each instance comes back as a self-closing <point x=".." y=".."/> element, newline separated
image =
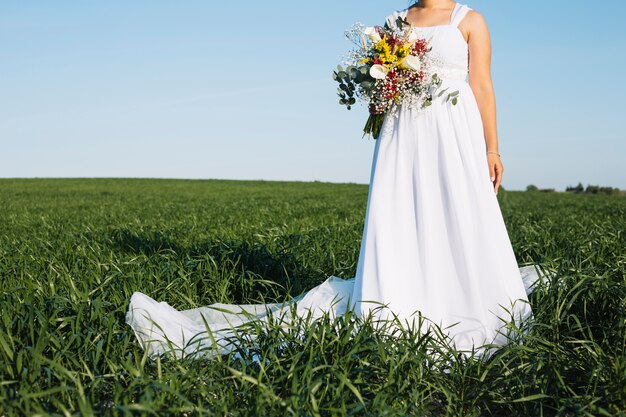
<point x="390" y="66"/>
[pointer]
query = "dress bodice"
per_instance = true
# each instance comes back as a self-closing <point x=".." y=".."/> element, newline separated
<point x="449" y="48"/>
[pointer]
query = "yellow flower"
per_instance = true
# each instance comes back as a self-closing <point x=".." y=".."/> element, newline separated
<point x="404" y="51"/>
<point x="384" y="52"/>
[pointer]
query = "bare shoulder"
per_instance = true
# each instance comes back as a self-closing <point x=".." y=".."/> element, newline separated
<point x="473" y="24"/>
<point x="474" y="20"/>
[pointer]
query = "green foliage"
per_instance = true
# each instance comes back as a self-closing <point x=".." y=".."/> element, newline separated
<point x="349" y="80"/>
<point x="453" y="96"/>
<point x="578" y="189"/>
<point x="594" y="189"/>
<point x="73" y="251"/>
<point x="401" y="23"/>
<point x="531" y="188"/>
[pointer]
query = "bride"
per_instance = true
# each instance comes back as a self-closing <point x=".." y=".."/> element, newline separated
<point x="434" y="247"/>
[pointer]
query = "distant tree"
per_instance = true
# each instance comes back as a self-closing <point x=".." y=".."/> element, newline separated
<point x="547" y="190"/>
<point x="596" y="189"/>
<point x="531" y="187"/>
<point x="592" y="189"/>
<point x="578" y="189"/>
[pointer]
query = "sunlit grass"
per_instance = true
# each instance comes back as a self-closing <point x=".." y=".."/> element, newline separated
<point x="72" y="252"/>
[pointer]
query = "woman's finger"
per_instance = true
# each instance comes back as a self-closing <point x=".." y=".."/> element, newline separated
<point x="499" y="172"/>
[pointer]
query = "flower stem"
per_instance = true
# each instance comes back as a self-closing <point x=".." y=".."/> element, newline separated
<point x="374" y="125"/>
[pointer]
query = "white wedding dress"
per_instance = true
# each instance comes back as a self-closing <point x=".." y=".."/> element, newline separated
<point x="434" y="241"/>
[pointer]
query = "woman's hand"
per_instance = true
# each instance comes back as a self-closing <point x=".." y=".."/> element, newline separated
<point x="495" y="170"/>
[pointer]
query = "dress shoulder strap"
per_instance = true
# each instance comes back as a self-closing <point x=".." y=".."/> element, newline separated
<point x="459" y="13"/>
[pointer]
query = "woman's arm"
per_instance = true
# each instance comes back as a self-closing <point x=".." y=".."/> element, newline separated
<point x="479" y="42"/>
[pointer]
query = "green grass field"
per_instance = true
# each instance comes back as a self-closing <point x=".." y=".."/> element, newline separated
<point x="72" y="251"/>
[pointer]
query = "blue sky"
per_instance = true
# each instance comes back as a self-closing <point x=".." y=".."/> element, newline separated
<point x="243" y="90"/>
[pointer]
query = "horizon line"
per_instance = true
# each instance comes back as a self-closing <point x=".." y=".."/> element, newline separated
<point x="540" y="189"/>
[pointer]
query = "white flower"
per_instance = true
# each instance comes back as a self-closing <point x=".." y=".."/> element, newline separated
<point x="411" y="62"/>
<point x="378" y="71"/>
<point x="413" y="37"/>
<point x="372" y="33"/>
